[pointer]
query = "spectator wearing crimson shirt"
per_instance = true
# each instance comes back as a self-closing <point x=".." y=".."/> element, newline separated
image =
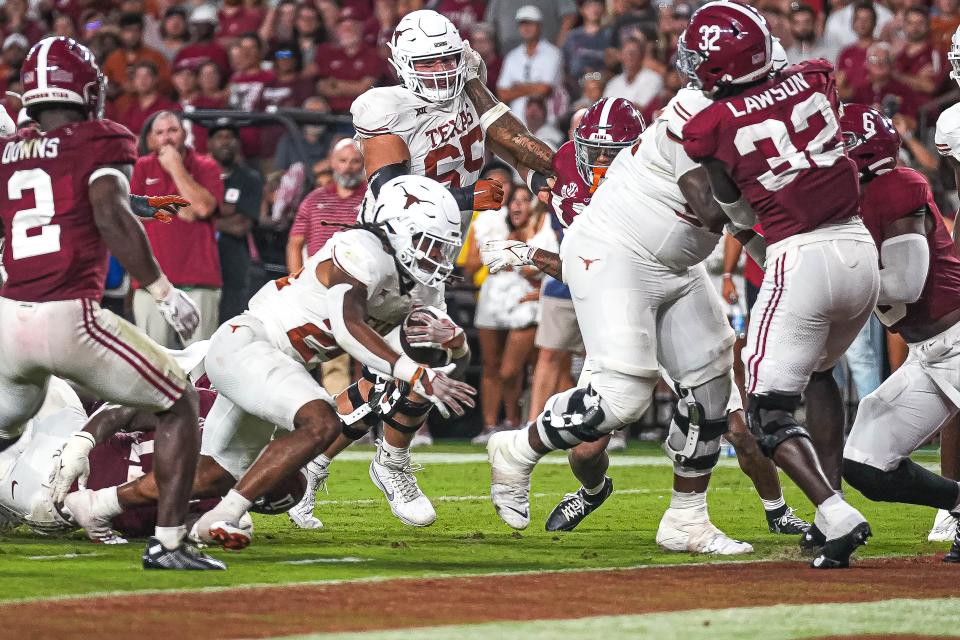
<point x="919" y="65"/>
<point x="15" y="20"/>
<point x="119" y="64"/>
<point x="852" y="62"/>
<point x="348" y="68"/>
<point x="236" y="19"/>
<point x="145" y="99"/>
<point x="203" y="26"/>
<point x="186" y="248"/>
<point x="943" y="23"/>
<point x="246" y="86"/>
<point x="881" y="90"/>
<point x="462" y="13"/>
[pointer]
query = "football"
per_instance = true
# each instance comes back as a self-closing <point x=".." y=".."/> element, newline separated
<point x="427" y="356"/>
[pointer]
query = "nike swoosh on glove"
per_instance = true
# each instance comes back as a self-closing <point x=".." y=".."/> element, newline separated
<point x="497" y="255"/>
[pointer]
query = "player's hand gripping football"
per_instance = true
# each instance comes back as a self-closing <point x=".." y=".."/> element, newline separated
<point x="72" y="463"/>
<point x="446" y="394"/>
<point x="487" y="194"/>
<point x="500" y="254"/>
<point x="162" y="208"/>
<point x="436" y="333"/>
<point x="476" y="67"/>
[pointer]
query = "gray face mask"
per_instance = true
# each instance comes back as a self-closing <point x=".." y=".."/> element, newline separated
<point x="348" y="180"/>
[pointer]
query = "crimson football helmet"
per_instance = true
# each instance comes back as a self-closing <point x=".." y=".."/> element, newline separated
<point x="870" y="139"/>
<point x="609" y="125"/>
<point x="725" y="43"/>
<point x="61" y="70"/>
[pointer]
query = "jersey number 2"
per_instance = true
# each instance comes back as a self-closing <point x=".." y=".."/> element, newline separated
<point x="790" y="161"/>
<point x="48" y="240"/>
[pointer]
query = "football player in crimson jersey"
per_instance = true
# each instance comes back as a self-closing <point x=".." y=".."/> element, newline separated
<point x="920" y="300"/>
<point x="774" y="154"/>
<point x="123" y="453"/>
<point x="68" y="203"/>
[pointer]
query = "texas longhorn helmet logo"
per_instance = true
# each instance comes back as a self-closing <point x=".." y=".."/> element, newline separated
<point x="412" y="199"/>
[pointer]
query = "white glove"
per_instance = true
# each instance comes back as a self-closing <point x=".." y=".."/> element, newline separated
<point x="176" y="307"/>
<point x="476" y="67"/>
<point x="500" y="254"/>
<point x="72" y="463"/>
<point x="446" y="394"/>
<point x="437" y="333"/>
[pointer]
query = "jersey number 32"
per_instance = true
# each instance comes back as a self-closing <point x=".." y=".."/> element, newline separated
<point x="789" y="161"/>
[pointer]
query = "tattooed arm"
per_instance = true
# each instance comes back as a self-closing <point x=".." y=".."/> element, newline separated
<point x="506" y="254"/>
<point x="549" y="263"/>
<point x="505" y="133"/>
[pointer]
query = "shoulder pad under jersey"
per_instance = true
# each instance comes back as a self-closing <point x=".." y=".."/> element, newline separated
<point x="683" y="106"/>
<point x="384" y="110"/>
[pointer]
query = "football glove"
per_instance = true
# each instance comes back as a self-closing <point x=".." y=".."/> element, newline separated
<point x="71" y="464"/>
<point x="176" y="307"/>
<point x="476" y="67"/>
<point x="162" y="208"/>
<point x="436" y="333"/>
<point x="500" y="254"/>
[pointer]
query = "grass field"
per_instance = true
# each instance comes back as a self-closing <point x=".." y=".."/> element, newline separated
<point x="362" y="540"/>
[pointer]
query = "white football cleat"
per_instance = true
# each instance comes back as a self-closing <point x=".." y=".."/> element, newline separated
<point x="396" y="480"/>
<point x="509" y="481"/>
<point x="618" y="441"/>
<point x="678" y="531"/>
<point x="216" y="528"/>
<point x="944" y="527"/>
<point x="82" y="508"/>
<point x="301" y="514"/>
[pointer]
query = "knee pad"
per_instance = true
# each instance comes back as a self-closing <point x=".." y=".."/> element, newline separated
<point x="771" y="421"/>
<point x="698" y="423"/>
<point x="574" y="416"/>
<point x="393" y="402"/>
<point x="364" y="415"/>
<point x="908" y="483"/>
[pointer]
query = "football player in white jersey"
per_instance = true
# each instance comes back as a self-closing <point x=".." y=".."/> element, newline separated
<point x="947" y="139"/>
<point x="350" y="294"/>
<point x="429" y="125"/>
<point x="643" y="301"/>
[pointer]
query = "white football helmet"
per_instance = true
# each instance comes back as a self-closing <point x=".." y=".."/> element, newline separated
<point x="422" y="223"/>
<point x="426" y="35"/>
<point x="954" y="55"/>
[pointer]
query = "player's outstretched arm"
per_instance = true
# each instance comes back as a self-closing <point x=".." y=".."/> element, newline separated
<point x="72" y="463"/>
<point x="124" y="236"/>
<point x="502" y="254"/>
<point x="695" y="187"/>
<point x="507" y="132"/>
<point x="348" y="320"/>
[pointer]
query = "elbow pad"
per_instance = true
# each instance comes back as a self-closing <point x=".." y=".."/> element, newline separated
<point x="741" y="214"/>
<point x="906" y="262"/>
<point x="386" y="173"/>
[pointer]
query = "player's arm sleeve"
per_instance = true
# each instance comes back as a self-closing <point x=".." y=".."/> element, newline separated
<point x="906" y="261"/>
<point x="699" y="141"/>
<point x="947" y="137"/>
<point x="373" y="117"/>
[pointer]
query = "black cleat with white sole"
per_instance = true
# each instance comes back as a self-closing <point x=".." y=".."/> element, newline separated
<point x="835" y="554"/>
<point x="812" y="541"/>
<point x="785" y="521"/>
<point x="953" y="556"/>
<point x="576" y="506"/>
<point x="186" y="557"/>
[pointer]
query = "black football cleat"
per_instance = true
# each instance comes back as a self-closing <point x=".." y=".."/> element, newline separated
<point x="576" y="506"/>
<point x="953" y="556"/>
<point x="835" y="554"/>
<point x="786" y="522"/>
<point x="186" y="557"/>
<point x="812" y="540"/>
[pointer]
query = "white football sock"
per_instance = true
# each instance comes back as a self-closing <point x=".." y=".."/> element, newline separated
<point x="170" y="537"/>
<point x="692" y="500"/>
<point x="773" y="505"/>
